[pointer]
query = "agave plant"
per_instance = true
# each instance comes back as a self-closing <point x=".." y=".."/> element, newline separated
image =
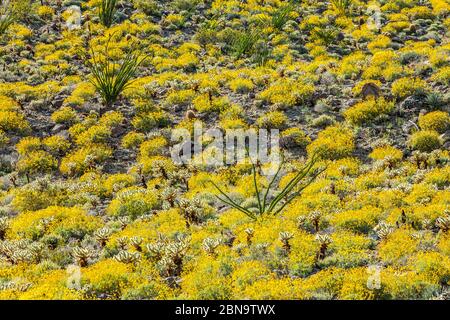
<point x="109" y="77"/>
<point x="267" y="206"/>
<point x="7" y="16"/>
<point x="106" y="12"/>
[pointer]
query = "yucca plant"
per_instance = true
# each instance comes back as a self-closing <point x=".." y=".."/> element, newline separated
<point x="109" y="77"/>
<point x="106" y="12"/>
<point x="267" y="206"/>
<point x="7" y="16"/>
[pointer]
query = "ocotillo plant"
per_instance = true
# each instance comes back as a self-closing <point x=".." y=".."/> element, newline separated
<point x="274" y="206"/>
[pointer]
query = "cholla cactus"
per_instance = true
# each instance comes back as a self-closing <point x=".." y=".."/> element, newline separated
<point x="383" y="230"/>
<point x="180" y="177"/>
<point x="128" y="257"/>
<point x="192" y="210"/>
<point x="324" y="240"/>
<point x="122" y="243"/>
<point x="210" y="245"/>
<point x="159" y="169"/>
<point x="123" y="222"/>
<point x="170" y="256"/>
<point x="443" y="223"/>
<point x="262" y="248"/>
<point x="427" y="223"/>
<point x="82" y="255"/>
<point x="284" y="238"/>
<point x="35" y="250"/>
<point x="169" y="196"/>
<point x="7" y="250"/>
<point x="21" y="256"/>
<point x="156" y="250"/>
<point x="4" y="225"/>
<point x="136" y="242"/>
<point x="301" y="220"/>
<point x="102" y="236"/>
<point x="315" y="217"/>
<point x="250" y="233"/>
<point x="420" y="158"/>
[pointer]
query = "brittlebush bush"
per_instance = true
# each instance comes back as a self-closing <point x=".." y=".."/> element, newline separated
<point x="84" y="159"/>
<point x="133" y="202"/>
<point x="408" y="86"/>
<point x="65" y="222"/>
<point x="425" y="140"/>
<point x="333" y="143"/>
<point x="438" y="121"/>
<point x="368" y="110"/>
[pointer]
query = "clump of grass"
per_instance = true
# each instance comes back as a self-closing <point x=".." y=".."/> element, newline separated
<point x="106" y="12"/>
<point x="281" y="16"/>
<point x="109" y="77"/>
<point x="7" y="16"/>
<point x="274" y="205"/>
<point x="244" y="42"/>
<point x="342" y="6"/>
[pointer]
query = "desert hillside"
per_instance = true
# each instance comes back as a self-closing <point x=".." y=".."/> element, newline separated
<point x="94" y="205"/>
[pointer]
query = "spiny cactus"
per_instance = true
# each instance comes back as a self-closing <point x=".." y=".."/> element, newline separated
<point x="250" y="233"/>
<point x="383" y="230"/>
<point x="128" y="257"/>
<point x="169" y="195"/>
<point x="102" y="236"/>
<point x="7" y="250"/>
<point x="210" y="245"/>
<point x="443" y="223"/>
<point x="284" y="237"/>
<point x="315" y="217"/>
<point x="4" y="225"/>
<point x="192" y="210"/>
<point x="21" y="256"/>
<point x="324" y="240"/>
<point x="156" y="250"/>
<point x="122" y="243"/>
<point x="169" y="255"/>
<point x="136" y="242"/>
<point x="82" y="255"/>
<point x="123" y="222"/>
<point x="301" y="220"/>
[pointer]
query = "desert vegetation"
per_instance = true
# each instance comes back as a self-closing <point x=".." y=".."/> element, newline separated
<point x="92" y="205"/>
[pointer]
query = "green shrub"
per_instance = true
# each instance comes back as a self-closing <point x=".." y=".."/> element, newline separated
<point x="425" y="140"/>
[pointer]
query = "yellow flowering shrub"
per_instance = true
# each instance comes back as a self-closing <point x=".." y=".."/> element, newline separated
<point x="436" y="120"/>
<point x="404" y="87"/>
<point x="65" y="222"/>
<point x="368" y="110"/>
<point x="133" y="202"/>
<point x="333" y="143"/>
<point x="425" y="140"/>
